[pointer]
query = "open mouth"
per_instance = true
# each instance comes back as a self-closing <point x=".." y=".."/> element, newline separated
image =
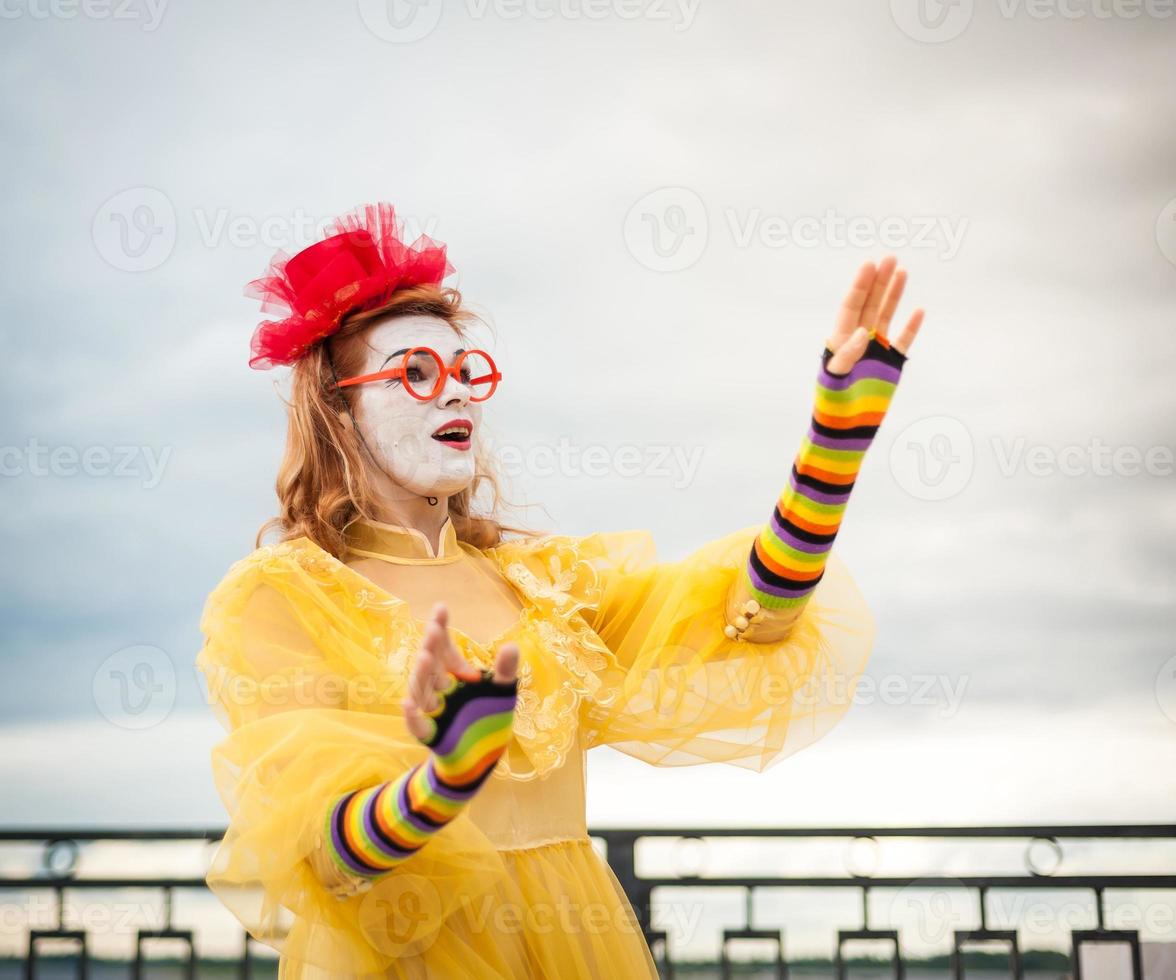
<point x="456" y="434"/>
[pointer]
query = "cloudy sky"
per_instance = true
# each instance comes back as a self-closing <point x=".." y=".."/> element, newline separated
<point x="657" y="206"/>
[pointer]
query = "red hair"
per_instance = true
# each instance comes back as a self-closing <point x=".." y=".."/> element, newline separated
<point x="323" y="482"/>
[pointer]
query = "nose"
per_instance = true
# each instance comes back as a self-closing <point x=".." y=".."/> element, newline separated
<point x="453" y="393"/>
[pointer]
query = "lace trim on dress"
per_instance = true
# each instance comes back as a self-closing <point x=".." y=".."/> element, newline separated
<point x="568" y="661"/>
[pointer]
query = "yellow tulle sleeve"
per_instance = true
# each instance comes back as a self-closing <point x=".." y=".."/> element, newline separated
<point x="689" y="694"/>
<point x="294" y="668"/>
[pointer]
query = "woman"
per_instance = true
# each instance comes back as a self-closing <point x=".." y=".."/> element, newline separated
<point x="410" y="692"/>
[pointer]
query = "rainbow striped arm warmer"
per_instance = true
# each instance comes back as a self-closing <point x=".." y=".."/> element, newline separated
<point x="370" y="831"/>
<point x="788" y="557"/>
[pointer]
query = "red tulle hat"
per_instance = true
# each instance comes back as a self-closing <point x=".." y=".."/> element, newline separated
<point x="362" y="262"/>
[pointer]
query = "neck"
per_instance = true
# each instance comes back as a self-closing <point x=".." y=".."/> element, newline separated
<point x="415" y="512"/>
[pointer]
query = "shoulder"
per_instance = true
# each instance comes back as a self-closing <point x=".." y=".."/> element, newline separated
<point x="635" y="543"/>
<point x="548" y="565"/>
<point x="287" y="572"/>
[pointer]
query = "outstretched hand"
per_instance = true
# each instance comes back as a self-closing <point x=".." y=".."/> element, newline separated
<point x="437" y="658"/>
<point x="868" y="309"/>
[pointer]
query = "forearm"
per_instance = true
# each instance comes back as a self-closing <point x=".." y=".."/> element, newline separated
<point x="368" y="832"/>
<point x="788" y="557"/>
<point x="372" y="830"/>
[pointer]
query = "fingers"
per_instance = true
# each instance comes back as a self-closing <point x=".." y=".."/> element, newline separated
<point x="850" y="314"/>
<point x="420" y="693"/>
<point x="871" y="303"/>
<point x="909" y="332"/>
<point x="878" y="290"/>
<point x="435" y="660"/>
<point x="850" y="352"/>
<point x="890" y="303"/>
<point x="448" y="654"/>
<point x="506" y="665"/>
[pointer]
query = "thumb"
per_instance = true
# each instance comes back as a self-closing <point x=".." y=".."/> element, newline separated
<point x="845" y="357"/>
<point x="506" y="664"/>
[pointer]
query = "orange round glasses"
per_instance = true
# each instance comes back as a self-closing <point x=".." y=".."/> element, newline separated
<point x="423" y="373"/>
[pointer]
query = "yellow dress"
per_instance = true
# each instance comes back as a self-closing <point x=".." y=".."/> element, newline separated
<point x="306" y="658"/>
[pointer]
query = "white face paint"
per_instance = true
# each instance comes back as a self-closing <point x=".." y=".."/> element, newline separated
<point x="398" y="428"/>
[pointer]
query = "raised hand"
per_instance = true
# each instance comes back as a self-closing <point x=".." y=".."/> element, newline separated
<point x="464" y="715"/>
<point x="440" y="668"/>
<point x="866" y="311"/>
<point x="860" y="369"/>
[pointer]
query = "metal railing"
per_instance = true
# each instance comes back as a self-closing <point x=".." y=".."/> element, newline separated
<point x="61" y="850"/>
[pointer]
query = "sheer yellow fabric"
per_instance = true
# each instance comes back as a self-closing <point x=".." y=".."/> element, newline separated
<point x="306" y="661"/>
<point x="687" y="693"/>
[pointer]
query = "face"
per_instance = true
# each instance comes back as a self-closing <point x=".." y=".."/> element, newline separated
<point x="400" y="429"/>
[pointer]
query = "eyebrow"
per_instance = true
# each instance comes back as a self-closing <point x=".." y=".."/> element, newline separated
<point x="405" y="350"/>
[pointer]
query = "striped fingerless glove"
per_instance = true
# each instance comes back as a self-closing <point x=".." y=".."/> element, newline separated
<point x="370" y="831"/>
<point x="788" y="557"/>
